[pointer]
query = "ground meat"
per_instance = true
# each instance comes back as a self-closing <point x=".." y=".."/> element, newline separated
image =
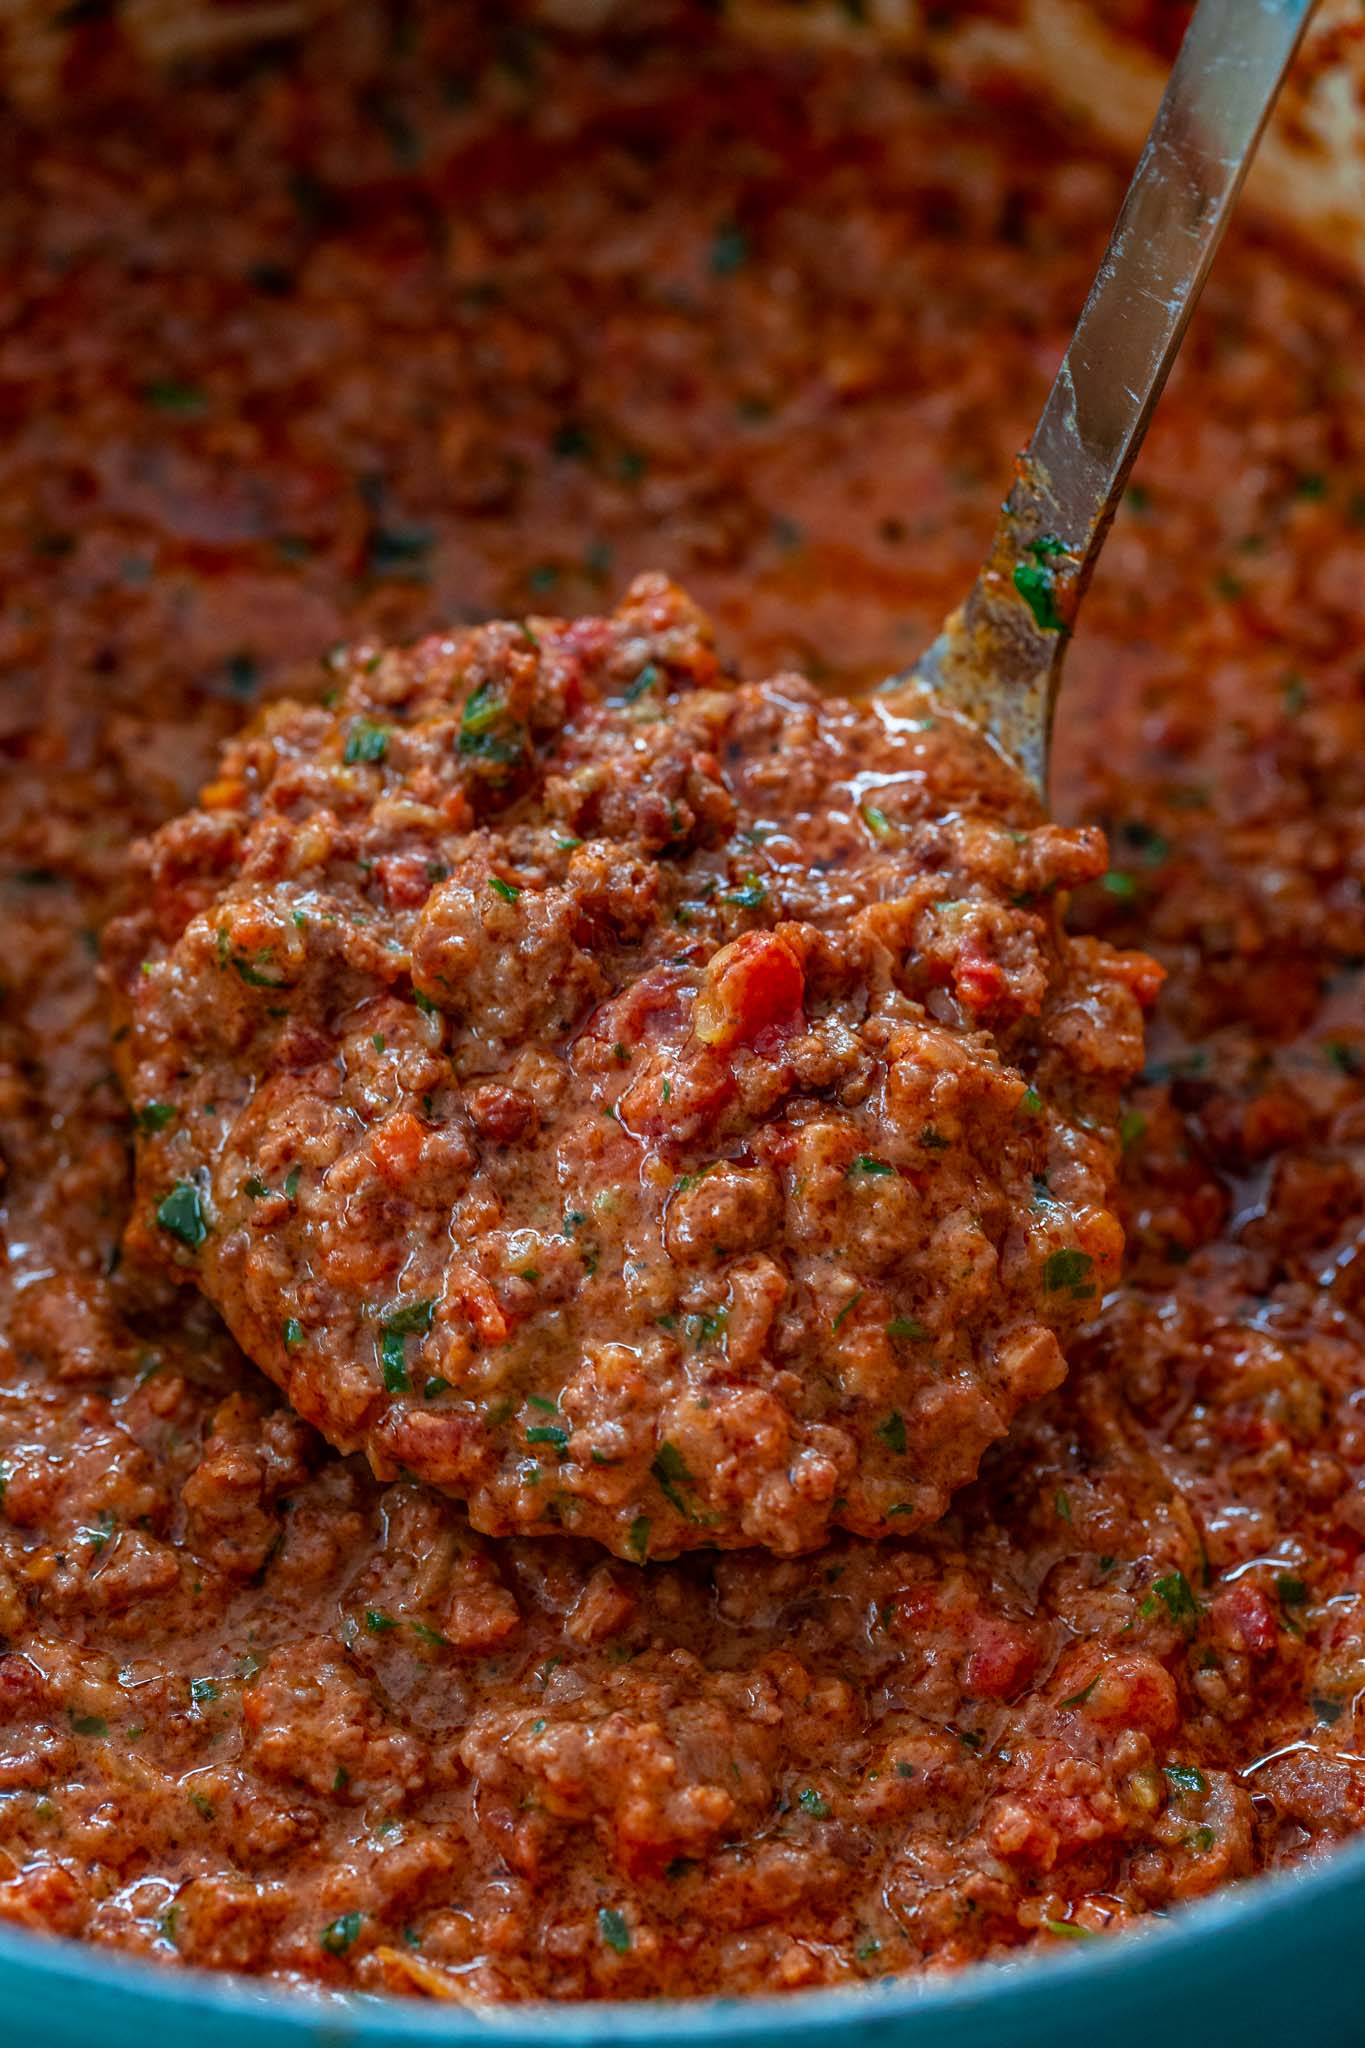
<point x="436" y="318"/>
<point x="566" y="1110"/>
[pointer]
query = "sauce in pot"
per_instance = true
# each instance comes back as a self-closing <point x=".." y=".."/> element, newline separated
<point x="427" y="323"/>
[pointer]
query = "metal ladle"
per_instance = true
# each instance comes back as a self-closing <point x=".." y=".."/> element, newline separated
<point x="999" y="657"/>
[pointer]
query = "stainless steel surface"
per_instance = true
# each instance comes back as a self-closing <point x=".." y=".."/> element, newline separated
<point x="1000" y="658"/>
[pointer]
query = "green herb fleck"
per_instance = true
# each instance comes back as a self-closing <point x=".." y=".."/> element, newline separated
<point x="647" y="678"/>
<point x="366" y="742"/>
<point x="393" y="1358"/>
<point x="1175" y="1595"/>
<point x="1066" y="1269"/>
<point x="892" y="1433"/>
<point x="337" y="1936"/>
<point x="729" y="250"/>
<point x="170" y="395"/>
<point x="670" y="1470"/>
<point x="846" y="1310"/>
<point x="753" y="894"/>
<point x="614" y="1929"/>
<point x="182" y="1214"/>
<point x="488" y="731"/>
<point x="252" y="975"/>
<point x="412" y="1318"/>
<point x="1036" y="583"/>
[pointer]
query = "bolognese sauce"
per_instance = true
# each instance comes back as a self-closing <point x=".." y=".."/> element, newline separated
<point x="666" y="1112"/>
<point x="427" y="322"/>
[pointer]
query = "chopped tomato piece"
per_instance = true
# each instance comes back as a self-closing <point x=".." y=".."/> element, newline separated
<point x="753" y="984"/>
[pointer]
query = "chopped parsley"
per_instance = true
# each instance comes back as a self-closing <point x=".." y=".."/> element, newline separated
<point x="671" y="1471"/>
<point x="708" y="1327"/>
<point x="366" y="742"/>
<point x="870" y="1168"/>
<point x="614" y="1929"/>
<point x="488" y="731"/>
<point x="247" y="971"/>
<point x="892" y="1433"/>
<point x="750" y="897"/>
<point x="181" y="1212"/>
<point x="411" y="1319"/>
<point x="180" y="400"/>
<point x="1173" y="1591"/>
<point x="508" y="891"/>
<point x="1036" y="583"/>
<point x="729" y="250"/>
<point x="338" y="1935"/>
<point x="846" y="1310"/>
<point x="647" y="678"/>
<point x="1066" y="1269"/>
